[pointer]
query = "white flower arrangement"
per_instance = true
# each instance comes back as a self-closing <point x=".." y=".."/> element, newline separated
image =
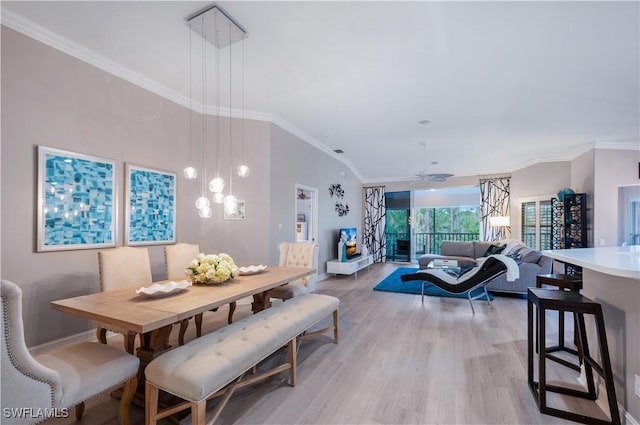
<point x="212" y="268"/>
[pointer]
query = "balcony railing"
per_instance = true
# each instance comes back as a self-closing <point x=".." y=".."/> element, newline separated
<point x="427" y="243"/>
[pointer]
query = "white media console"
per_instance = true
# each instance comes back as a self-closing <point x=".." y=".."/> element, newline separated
<point x="350" y="266"/>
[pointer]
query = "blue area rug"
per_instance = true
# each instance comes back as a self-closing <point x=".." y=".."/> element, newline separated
<point x="392" y="283"/>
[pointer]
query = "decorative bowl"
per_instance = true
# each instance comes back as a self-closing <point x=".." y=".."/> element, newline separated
<point x="249" y="270"/>
<point x="158" y="290"/>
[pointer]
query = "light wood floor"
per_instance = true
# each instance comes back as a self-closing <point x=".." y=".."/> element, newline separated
<point x="398" y="362"/>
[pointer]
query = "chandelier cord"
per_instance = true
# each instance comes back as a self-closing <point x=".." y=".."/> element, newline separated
<point x="230" y="123"/>
<point x="217" y="95"/>
<point x="243" y="119"/>
<point x="204" y="102"/>
<point x="190" y="99"/>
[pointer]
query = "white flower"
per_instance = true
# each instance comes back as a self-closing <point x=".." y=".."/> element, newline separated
<point x="211" y="268"/>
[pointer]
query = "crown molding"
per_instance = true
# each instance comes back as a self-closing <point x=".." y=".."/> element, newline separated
<point x="624" y="145"/>
<point x="315" y="143"/>
<point x="51" y="39"/>
<point x="43" y="35"/>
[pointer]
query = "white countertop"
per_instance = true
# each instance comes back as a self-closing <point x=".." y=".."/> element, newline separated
<point x="615" y="260"/>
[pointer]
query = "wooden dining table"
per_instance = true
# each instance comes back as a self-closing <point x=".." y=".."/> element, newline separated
<point x="153" y="318"/>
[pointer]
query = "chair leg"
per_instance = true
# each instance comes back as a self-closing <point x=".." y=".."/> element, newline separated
<point x="232" y="309"/>
<point x="471" y="302"/>
<point x="128" y="391"/>
<point x="198" y="320"/>
<point x="183" y="329"/>
<point x="335" y="326"/>
<point x="79" y="411"/>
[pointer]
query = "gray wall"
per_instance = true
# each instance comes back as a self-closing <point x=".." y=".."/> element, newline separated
<point x="536" y="180"/>
<point x="613" y="168"/>
<point x="52" y="99"/>
<point x="301" y="163"/>
<point x="583" y="181"/>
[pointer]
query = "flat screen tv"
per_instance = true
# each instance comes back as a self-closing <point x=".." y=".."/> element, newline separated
<point x="348" y="238"/>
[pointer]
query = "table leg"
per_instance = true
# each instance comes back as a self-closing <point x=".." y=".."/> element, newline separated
<point x="154" y="343"/>
<point x="261" y="301"/>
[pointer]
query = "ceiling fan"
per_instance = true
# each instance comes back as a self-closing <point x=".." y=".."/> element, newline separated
<point x="425" y="176"/>
<point x="302" y="195"/>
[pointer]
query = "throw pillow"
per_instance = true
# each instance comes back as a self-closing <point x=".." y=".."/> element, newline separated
<point x="529" y="255"/>
<point x="494" y="249"/>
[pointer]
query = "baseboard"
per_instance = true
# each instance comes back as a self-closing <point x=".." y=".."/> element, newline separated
<point x="89" y="335"/>
<point x="603" y="403"/>
<point x="322" y="276"/>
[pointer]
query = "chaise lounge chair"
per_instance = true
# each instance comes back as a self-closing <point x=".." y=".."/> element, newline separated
<point x="488" y="269"/>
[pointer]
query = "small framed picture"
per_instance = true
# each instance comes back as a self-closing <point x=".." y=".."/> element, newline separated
<point x="301" y="218"/>
<point x="150" y="206"/>
<point x="76" y="201"/>
<point x="239" y="214"/>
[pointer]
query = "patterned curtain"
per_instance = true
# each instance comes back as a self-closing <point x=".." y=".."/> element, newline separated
<point x="494" y="193"/>
<point x="374" y="225"/>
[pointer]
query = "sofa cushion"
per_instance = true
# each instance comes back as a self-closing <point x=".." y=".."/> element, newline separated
<point x="457" y="249"/>
<point x="529" y="255"/>
<point x="480" y="248"/>
<point x="494" y="249"/>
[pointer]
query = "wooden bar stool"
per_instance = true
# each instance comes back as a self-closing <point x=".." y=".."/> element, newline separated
<point x="551" y="299"/>
<point x="563" y="282"/>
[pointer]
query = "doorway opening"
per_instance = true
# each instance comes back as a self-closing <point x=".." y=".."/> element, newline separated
<point x="306" y="209"/>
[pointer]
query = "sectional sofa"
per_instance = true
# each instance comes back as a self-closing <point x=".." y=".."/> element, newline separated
<point x="532" y="262"/>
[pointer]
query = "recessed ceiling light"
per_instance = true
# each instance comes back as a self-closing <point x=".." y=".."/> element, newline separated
<point x="423" y="122"/>
<point x="338" y="151"/>
<point x="434" y="162"/>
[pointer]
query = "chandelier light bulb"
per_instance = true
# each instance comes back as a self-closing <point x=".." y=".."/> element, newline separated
<point x="218" y="198"/>
<point x="205" y="212"/>
<point x="202" y="202"/>
<point x="190" y="173"/>
<point x="216" y="185"/>
<point x="230" y="204"/>
<point x="243" y="170"/>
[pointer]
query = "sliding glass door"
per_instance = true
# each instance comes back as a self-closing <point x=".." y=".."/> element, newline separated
<point x="398" y="226"/>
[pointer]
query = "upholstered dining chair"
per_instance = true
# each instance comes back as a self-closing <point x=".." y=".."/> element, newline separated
<point x="297" y="254"/>
<point x="122" y="267"/>
<point x="177" y="257"/>
<point x="59" y="378"/>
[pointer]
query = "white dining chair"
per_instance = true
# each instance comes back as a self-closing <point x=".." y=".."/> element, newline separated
<point x="60" y="378"/>
<point x="122" y="267"/>
<point x="177" y="257"/>
<point x="297" y="254"/>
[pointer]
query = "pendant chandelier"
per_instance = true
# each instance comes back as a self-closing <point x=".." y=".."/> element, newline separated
<point x="216" y="28"/>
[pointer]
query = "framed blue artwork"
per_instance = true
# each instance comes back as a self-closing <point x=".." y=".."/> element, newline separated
<point x="76" y="201"/>
<point x="150" y="206"/>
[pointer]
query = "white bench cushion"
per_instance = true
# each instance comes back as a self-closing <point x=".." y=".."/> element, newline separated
<point x="203" y="366"/>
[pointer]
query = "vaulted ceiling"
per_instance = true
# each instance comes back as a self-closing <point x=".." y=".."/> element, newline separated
<point x="503" y="84"/>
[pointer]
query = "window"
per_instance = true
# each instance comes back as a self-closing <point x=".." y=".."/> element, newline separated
<point x="536" y="223"/>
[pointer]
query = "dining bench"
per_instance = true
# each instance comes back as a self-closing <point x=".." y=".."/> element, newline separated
<point x="216" y="364"/>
